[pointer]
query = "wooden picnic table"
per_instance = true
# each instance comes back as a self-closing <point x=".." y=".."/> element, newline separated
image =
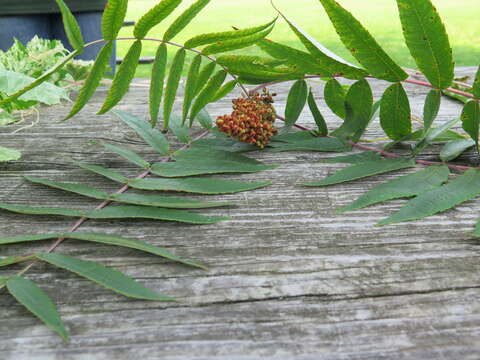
<point x="288" y="278"/>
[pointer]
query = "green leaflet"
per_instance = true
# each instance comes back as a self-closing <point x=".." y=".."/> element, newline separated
<point x="405" y="186"/>
<point x="225" y="90"/>
<point x="457" y="191"/>
<point x="476" y="85"/>
<point x="204" y="119"/>
<point x="113" y="16"/>
<point x="123" y="77"/>
<point x="302" y="60"/>
<point x="363" y="170"/>
<point x="433" y="134"/>
<point x="431" y="108"/>
<point x="135" y="199"/>
<point x="358" y="106"/>
<point x="427" y="41"/>
<point x="9" y="154"/>
<point x="317" y="115"/>
<point x="180" y="129"/>
<point x="37" y="302"/>
<point x="72" y="30"/>
<point x="471" y="119"/>
<point x="191" y="85"/>
<point x="334" y="94"/>
<point x="200" y="162"/>
<point x="203" y="77"/>
<point x="354" y="158"/>
<point x="93" y="79"/>
<point x="127" y="154"/>
<point x="326" y="144"/>
<point x="211" y="38"/>
<point x="297" y="97"/>
<point x="151" y="136"/>
<point x="235" y="44"/>
<point x="183" y="20"/>
<point x="197" y="185"/>
<point x="99" y="238"/>
<point x="10" y="260"/>
<point x="172" y="85"/>
<point x="395" y="112"/>
<point x="207" y="94"/>
<point x="455" y="148"/>
<point x="332" y="63"/>
<point x="109" y="174"/>
<point x="252" y="69"/>
<point x="154" y="16"/>
<point x="107" y="277"/>
<point x="361" y="44"/>
<point x="118" y="212"/>
<point x="156" y="82"/>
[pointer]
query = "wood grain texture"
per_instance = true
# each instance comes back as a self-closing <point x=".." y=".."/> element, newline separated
<point x="288" y="278"/>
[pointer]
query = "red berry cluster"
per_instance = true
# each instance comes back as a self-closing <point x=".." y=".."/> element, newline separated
<point x="251" y="120"/>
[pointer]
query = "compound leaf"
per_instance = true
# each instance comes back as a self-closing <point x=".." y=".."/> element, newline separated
<point x="427" y="41"/>
<point x="361" y="44"/>
<point x="37" y="302"/>
<point x="363" y="170"/>
<point x="457" y="191"/>
<point x="107" y="277"/>
<point x="405" y="186"/>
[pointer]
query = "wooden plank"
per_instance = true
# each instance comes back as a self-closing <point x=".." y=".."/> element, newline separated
<point x="288" y="278"/>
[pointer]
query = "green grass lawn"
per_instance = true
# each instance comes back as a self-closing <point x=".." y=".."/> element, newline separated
<point x="379" y="16"/>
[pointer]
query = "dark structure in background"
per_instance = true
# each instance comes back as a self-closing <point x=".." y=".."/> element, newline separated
<point x="23" y="19"/>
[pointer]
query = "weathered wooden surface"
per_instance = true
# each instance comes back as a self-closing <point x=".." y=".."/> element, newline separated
<point x="288" y="278"/>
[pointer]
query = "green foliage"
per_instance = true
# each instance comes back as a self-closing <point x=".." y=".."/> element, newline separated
<point x="334" y="95"/>
<point x="454" y="148"/>
<point x="427" y="41"/>
<point x="471" y="119"/>
<point x="156" y="82"/>
<point x="172" y="86"/>
<point x="109" y="278"/>
<point x="113" y="16"/>
<point x="361" y="44"/>
<point x="395" y="112"/>
<point x="123" y="78"/>
<point x="457" y="191"/>
<point x="93" y="79"/>
<point x="431" y="108"/>
<point x="476" y="85"/>
<point x="363" y="170"/>
<point x="207" y="94"/>
<point x="38" y="302"/>
<point x="297" y="97"/>
<point x="183" y="20"/>
<point x="70" y="24"/>
<point x="317" y="115"/>
<point x="154" y="17"/>
<point x="9" y="154"/>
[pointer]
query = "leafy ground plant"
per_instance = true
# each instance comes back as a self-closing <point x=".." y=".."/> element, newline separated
<point x="251" y="126"/>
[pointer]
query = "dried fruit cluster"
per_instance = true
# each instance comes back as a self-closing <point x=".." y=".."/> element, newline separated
<point x="251" y="120"/>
